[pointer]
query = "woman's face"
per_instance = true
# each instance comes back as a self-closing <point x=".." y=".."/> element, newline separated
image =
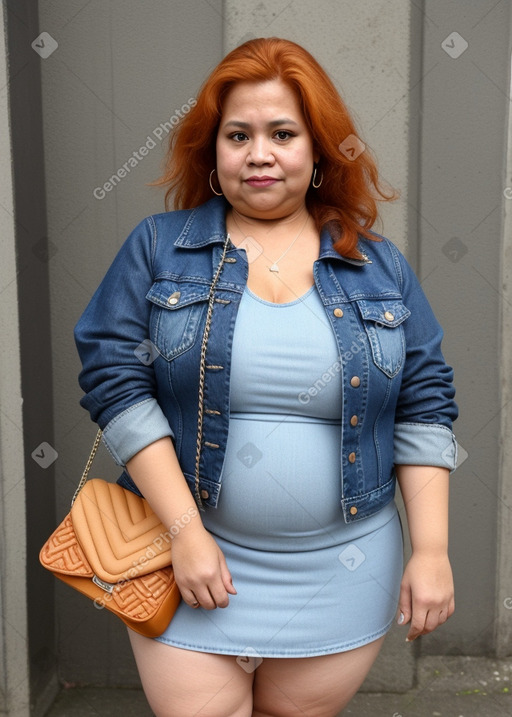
<point x="264" y="149"/>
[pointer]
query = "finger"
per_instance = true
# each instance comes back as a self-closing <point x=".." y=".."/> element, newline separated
<point x="211" y="593"/>
<point x="418" y="620"/>
<point x="432" y="620"/>
<point x="404" y="605"/>
<point x="205" y="598"/>
<point x="227" y="580"/>
<point x="190" y="598"/>
<point x="451" y="607"/>
<point x="443" y="617"/>
<point x="218" y="594"/>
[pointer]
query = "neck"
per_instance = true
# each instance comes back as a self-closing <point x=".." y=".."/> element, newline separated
<point x="244" y="221"/>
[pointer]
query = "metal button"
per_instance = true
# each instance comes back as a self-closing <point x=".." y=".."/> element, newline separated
<point x="355" y="381"/>
<point x="354" y="421"/>
<point x="174" y="298"/>
<point x="389" y="316"/>
<point x="352" y="457"/>
<point x="204" y="494"/>
<point x="338" y="313"/>
<point x="353" y="510"/>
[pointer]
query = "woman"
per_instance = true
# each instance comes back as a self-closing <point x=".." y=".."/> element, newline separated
<point x="317" y="362"/>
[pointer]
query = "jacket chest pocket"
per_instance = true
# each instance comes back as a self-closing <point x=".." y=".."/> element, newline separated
<point x="176" y="316"/>
<point x="383" y="321"/>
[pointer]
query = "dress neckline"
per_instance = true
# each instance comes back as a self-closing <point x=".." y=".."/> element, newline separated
<point x="298" y="300"/>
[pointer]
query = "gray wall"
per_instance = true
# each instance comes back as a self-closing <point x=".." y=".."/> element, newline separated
<point x="14" y="672"/>
<point x="465" y="103"/>
<point x="121" y="70"/>
<point x="438" y="125"/>
<point x="33" y="415"/>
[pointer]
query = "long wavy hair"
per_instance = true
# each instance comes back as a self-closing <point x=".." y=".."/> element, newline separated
<point x="347" y="198"/>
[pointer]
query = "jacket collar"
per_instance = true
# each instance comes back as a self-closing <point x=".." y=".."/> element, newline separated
<point x="207" y="225"/>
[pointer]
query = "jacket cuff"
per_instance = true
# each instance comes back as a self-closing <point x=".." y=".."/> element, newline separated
<point x="424" y="444"/>
<point x="134" y="429"/>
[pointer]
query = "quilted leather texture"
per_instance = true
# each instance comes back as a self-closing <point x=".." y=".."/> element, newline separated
<point x="139" y="598"/>
<point x="119" y="532"/>
<point x="141" y="606"/>
<point x="145" y="595"/>
<point x="62" y="553"/>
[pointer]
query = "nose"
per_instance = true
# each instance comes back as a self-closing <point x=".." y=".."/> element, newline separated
<point x="260" y="152"/>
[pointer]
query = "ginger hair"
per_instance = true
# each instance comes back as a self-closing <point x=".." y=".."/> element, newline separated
<point x="347" y="198"/>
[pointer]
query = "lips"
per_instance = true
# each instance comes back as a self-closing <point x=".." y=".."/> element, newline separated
<point x="261" y="181"/>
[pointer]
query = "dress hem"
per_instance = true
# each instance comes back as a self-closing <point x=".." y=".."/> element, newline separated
<point x="262" y="652"/>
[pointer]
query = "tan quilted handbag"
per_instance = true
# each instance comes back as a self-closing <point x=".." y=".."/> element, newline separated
<point x="113" y="548"/>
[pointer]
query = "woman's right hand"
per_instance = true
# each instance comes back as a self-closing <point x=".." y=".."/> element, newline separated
<point x="200" y="569"/>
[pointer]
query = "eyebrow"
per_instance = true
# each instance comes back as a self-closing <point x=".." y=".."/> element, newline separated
<point x="273" y="123"/>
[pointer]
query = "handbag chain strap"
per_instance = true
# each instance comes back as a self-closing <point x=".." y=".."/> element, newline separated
<point x="202" y="371"/>
<point x="88" y="465"/>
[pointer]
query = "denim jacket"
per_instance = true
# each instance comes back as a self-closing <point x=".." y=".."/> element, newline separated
<point x="139" y="340"/>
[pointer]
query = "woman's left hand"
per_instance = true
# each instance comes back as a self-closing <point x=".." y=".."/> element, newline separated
<point x="426" y="593"/>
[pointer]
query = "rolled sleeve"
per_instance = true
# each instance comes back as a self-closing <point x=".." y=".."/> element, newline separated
<point x="134" y="429"/>
<point x="120" y="388"/>
<point x="422" y="444"/>
<point x="426" y="408"/>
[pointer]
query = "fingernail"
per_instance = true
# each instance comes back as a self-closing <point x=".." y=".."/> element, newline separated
<point x="401" y="618"/>
<point x="407" y="639"/>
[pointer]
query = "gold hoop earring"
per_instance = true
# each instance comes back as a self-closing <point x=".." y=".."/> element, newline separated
<point x="314" y="178"/>
<point x="219" y="194"/>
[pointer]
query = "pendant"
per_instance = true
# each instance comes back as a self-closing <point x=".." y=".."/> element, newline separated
<point x="274" y="268"/>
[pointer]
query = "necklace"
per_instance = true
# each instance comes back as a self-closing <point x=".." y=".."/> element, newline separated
<point x="274" y="268"/>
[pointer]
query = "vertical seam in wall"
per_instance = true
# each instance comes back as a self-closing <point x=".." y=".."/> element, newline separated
<point x="416" y="64"/>
<point x="503" y="630"/>
<point x="14" y="663"/>
<point x="223" y="11"/>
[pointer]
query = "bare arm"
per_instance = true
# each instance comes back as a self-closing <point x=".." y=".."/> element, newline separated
<point x="426" y="594"/>
<point x="199" y="566"/>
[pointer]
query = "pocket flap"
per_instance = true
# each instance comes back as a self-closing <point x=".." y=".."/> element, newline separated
<point x="176" y="294"/>
<point x="387" y="312"/>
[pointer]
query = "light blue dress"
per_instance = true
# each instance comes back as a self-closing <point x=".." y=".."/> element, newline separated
<point x="308" y="584"/>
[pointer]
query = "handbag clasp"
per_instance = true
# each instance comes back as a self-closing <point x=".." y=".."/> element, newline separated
<point x="107" y="587"/>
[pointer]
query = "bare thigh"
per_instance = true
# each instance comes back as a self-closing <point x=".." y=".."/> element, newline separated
<point x="312" y="686"/>
<point x="186" y="683"/>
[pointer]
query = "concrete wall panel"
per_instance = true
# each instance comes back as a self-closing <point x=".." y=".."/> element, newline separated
<point x="120" y="71"/>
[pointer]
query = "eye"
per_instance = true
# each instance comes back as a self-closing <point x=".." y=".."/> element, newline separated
<point x="239" y="136"/>
<point x="283" y="134"/>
